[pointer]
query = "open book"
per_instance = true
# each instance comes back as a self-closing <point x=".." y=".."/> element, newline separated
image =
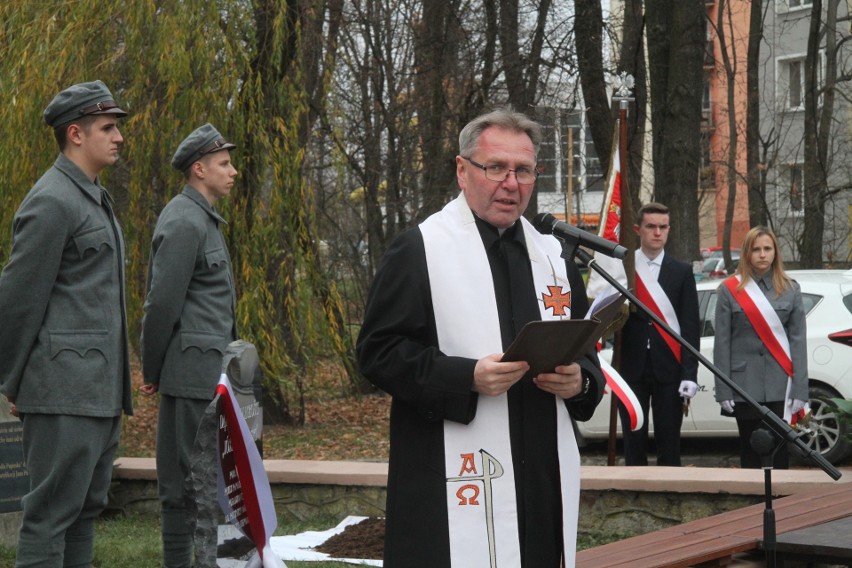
<point x="547" y="344"/>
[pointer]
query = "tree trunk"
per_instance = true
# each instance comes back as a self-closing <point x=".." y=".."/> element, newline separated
<point x="633" y="62"/>
<point x="588" y="30"/>
<point x="758" y="213"/>
<point x="676" y="50"/>
<point x="818" y="118"/>
<point x="729" y="67"/>
<point x="436" y="63"/>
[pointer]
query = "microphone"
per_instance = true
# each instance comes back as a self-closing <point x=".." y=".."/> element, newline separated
<point x="549" y="225"/>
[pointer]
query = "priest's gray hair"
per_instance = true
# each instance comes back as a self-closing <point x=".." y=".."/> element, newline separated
<point x="500" y="118"/>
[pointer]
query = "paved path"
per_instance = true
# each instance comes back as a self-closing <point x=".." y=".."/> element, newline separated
<point x="699" y="452"/>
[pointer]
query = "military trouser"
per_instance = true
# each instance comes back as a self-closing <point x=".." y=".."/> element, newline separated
<point x="176" y="429"/>
<point x="69" y="461"/>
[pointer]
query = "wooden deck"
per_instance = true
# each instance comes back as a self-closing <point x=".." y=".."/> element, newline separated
<point x="714" y="541"/>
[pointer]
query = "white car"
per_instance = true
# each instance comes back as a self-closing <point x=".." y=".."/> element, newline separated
<point x="827" y="297"/>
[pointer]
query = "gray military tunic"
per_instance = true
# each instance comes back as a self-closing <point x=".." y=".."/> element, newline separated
<point x="740" y="353"/>
<point x="64" y="331"/>
<point x="190" y="310"/>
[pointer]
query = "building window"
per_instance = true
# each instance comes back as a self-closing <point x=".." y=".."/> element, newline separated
<point x="796" y="189"/>
<point x="789" y="5"/>
<point x="554" y="153"/>
<point x="795" y="83"/>
<point x="792" y="74"/>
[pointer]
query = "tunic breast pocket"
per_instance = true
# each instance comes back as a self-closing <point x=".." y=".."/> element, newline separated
<point x="216" y="258"/>
<point x="91" y="240"/>
<point x="783" y="310"/>
<point x="738" y="317"/>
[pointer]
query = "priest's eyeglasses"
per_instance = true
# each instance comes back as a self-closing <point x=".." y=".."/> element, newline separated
<point x="496" y="172"/>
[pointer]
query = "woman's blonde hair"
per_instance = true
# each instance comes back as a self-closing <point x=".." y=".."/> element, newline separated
<point x="780" y="280"/>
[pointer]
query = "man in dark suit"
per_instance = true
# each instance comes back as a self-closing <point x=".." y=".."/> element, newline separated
<point x="661" y="374"/>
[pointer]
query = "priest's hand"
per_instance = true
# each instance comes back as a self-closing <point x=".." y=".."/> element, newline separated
<point x="492" y="377"/>
<point x="565" y="382"/>
<point x="149" y="389"/>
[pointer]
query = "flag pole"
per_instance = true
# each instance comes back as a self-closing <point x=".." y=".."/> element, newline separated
<point x="622" y="95"/>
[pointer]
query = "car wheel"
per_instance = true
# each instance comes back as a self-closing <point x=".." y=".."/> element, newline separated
<point x="825" y="433"/>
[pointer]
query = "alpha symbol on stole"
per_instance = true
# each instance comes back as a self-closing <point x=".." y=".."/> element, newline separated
<point x="557" y="300"/>
<point x="473" y="484"/>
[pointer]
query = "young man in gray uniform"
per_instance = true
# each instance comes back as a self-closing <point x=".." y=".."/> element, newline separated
<point x="189" y="321"/>
<point x="64" y="339"/>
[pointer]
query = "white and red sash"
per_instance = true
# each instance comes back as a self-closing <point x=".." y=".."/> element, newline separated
<point x="650" y="293"/>
<point x="769" y="329"/>
<point x="481" y="497"/>
<point x="625" y="394"/>
<point x="244" y="493"/>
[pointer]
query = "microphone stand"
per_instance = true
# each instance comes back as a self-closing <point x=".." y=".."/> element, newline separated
<point x="766" y="445"/>
<point x="570" y="249"/>
<point x="763" y="441"/>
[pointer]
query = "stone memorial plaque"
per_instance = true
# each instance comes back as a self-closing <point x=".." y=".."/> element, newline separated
<point x="242" y="366"/>
<point x="14" y="481"/>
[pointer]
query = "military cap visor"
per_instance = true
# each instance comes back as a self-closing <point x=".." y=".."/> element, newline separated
<point x="77" y="101"/>
<point x="215" y="146"/>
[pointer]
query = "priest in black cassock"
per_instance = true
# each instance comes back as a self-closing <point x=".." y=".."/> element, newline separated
<point x="484" y="467"/>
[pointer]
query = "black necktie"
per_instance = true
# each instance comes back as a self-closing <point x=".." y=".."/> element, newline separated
<point x="522" y="302"/>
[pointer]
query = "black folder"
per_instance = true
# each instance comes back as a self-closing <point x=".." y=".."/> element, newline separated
<point x="547" y="344"/>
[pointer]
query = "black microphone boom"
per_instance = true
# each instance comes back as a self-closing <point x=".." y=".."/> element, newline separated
<point x="549" y="225"/>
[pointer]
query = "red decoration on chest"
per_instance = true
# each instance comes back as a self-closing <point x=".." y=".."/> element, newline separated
<point x="557" y="300"/>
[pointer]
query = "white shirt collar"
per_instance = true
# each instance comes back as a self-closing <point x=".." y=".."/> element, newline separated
<point x="640" y="254"/>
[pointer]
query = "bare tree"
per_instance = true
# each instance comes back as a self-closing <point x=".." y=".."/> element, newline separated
<point x="821" y="82"/>
<point x="589" y="42"/>
<point x="438" y="37"/>
<point x="755" y="174"/>
<point x="728" y="49"/>
<point x="632" y="61"/>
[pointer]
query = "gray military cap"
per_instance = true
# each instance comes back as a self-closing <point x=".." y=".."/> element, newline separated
<point x="203" y="140"/>
<point x="80" y="100"/>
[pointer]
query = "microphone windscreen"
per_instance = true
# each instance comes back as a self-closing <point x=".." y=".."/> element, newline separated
<point x="762" y="441"/>
<point x="543" y="223"/>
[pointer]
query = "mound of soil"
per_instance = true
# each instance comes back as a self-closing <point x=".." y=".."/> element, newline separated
<point x="363" y="540"/>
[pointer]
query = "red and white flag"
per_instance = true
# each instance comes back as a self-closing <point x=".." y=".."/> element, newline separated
<point x="244" y="492"/>
<point x="609" y="227"/>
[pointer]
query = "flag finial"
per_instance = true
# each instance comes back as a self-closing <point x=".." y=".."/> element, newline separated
<point x="622" y="84"/>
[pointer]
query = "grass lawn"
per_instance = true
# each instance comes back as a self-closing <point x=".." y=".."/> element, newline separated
<point x="134" y="542"/>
